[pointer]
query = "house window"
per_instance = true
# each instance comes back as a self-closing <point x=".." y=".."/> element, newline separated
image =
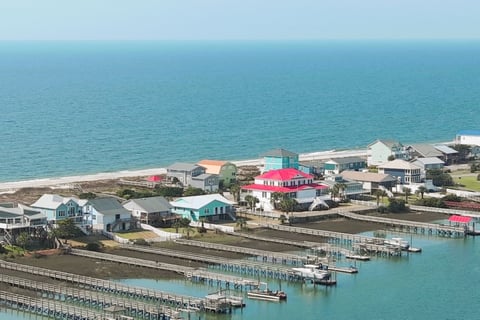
<point x="264" y="194"/>
<point x="117" y="217"/>
<point x="61" y="213"/>
<point x="207" y="210"/>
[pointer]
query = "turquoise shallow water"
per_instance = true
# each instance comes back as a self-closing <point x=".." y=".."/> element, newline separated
<point x="439" y="283"/>
<point x="70" y="108"/>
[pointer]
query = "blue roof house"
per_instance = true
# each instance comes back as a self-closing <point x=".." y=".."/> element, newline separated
<point x="280" y="159"/>
<point x="210" y="207"/>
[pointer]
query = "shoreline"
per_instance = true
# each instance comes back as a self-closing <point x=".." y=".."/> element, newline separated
<point x="66" y="181"/>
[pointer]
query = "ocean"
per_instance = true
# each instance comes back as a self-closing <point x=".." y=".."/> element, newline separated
<point x="70" y="108"/>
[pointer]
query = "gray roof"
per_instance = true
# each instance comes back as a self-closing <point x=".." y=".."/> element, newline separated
<point x="279" y="153"/>
<point x="150" y="205"/>
<point x="367" y="176"/>
<point x="388" y="143"/>
<point x="346" y="160"/>
<point x="20" y="210"/>
<point x="426" y="150"/>
<point x="445" y="149"/>
<point x="429" y="160"/>
<point x="399" y="164"/>
<point x="52" y="201"/>
<point x="182" y="166"/>
<point x="107" y="206"/>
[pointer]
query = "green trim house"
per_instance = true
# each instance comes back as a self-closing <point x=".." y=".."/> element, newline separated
<point x="211" y="207"/>
<point x="337" y="165"/>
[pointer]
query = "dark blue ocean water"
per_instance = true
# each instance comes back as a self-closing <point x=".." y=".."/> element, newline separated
<point x="70" y="108"/>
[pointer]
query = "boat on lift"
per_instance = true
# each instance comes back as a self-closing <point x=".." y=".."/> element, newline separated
<point x="398" y="242"/>
<point x="312" y="271"/>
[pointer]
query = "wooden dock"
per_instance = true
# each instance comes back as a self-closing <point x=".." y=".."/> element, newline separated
<point x="353" y="241"/>
<point x="165" y="298"/>
<point x="266" y="256"/>
<point x="93" y="299"/>
<point x="48" y="308"/>
<point x="410" y="226"/>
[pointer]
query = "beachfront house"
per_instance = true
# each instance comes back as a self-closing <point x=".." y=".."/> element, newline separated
<point x="279" y="159"/>
<point x="336" y="165"/>
<point x="423" y="150"/>
<point x="405" y="172"/>
<point x="156" y="211"/>
<point x="468" y="137"/>
<point x="15" y="219"/>
<point x="288" y="182"/>
<point x="183" y="172"/>
<point x="371" y="181"/>
<point x="226" y="171"/>
<point x="193" y="175"/>
<point x="381" y="151"/>
<point x="56" y="208"/>
<point x="107" y="214"/>
<point x="211" y="207"/>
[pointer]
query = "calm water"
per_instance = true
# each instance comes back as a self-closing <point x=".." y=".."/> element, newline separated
<point x="84" y="107"/>
<point x="439" y="283"/>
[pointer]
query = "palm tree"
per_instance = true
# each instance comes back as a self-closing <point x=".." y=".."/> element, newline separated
<point x="275" y="198"/>
<point x="241" y="223"/>
<point x="421" y="190"/>
<point x="235" y="191"/>
<point x="288" y="205"/>
<point x="379" y="193"/>
<point x="407" y="192"/>
<point x="251" y="200"/>
<point x="22" y="240"/>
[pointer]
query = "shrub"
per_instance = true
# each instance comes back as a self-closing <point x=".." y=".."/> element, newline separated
<point x="93" y="246"/>
<point x="141" y="242"/>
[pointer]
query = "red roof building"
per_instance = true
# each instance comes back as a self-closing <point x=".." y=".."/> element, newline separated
<point x="292" y="182"/>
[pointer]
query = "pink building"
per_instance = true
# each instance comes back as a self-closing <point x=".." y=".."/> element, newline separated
<point x="290" y="182"/>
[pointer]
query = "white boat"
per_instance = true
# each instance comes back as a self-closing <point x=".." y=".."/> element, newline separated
<point x="398" y="242"/>
<point x="267" y="294"/>
<point x="312" y="271"/>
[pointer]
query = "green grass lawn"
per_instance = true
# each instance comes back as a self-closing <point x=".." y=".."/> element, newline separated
<point x="468" y="182"/>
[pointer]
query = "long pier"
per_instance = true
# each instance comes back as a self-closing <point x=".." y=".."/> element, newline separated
<point x="351" y="240"/>
<point x="46" y="307"/>
<point x="270" y="256"/>
<point x="166" y="298"/>
<point x="410" y="226"/>
<point x="92" y="299"/>
<point x="252" y="268"/>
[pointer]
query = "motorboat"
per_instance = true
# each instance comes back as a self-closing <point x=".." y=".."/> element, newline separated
<point x="266" y="294"/>
<point x="313" y="271"/>
<point x="398" y="242"/>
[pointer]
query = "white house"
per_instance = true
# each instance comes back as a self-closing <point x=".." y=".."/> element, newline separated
<point x="291" y="182"/>
<point x="379" y="152"/>
<point x="107" y="214"/>
<point x="469" y="137"/>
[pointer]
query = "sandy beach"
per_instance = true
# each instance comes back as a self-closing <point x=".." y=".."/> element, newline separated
<point x="66" y="182"/>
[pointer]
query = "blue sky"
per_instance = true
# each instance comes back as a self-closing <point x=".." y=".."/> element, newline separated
<point x="238" y="19"/>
